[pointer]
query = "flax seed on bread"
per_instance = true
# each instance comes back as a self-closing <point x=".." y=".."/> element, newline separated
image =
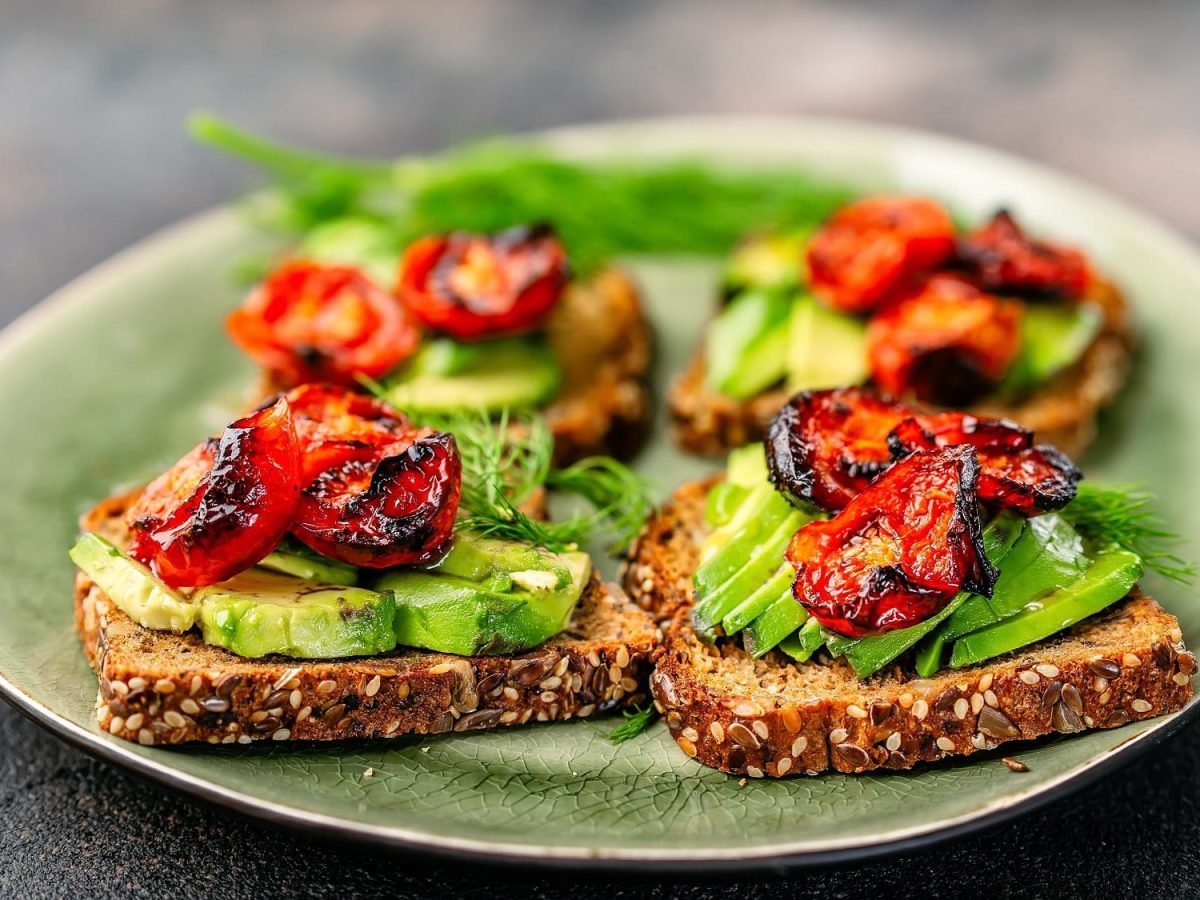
<point x="162" y="688"/>
<point x="1062" y="413"/>
<point x="774" y="717"/>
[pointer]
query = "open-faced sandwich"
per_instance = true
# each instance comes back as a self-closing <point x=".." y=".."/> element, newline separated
<point x="462" y="321"/>
<point x="889" y="292"/>
<point x="326" y="568"/>
<point x="887" y="585"/>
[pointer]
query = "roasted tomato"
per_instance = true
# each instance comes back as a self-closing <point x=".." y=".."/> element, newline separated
<point x="1014" y="474"/>
<point x="870" y="249"/>
<point x="311" y="321"/>
<point x="824" y="447"/>
<point x="335" y="425"/>
<point x="224" y="506"/>
<point x="1001" y="257"/>
<point x="377" y="513"/>
<point x="475" y="286"/>
<point x="899" y="551"/>
<point x="947" y="343"/>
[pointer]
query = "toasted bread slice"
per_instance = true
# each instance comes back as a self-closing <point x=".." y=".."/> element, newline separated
<point x="1063" y="412"/>
<point x="603" y="341"/>
<point x="775" y="717"/>
<point x="162" y="688"/>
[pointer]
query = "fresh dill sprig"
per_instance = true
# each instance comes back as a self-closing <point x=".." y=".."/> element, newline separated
<point x="600" y="209"/>
<point x="506" y="459"/>
<point x="1122" y="514"/>
<point x="636" y="721"/>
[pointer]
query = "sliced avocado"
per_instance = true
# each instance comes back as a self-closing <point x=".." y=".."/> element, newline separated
<point x="1109" y="578"/>
<point x="293" y="558"/>
<point x="132" y="586"/>
<point x="258" y="613"/>
<point x="354" y="242"/>
<point x="747" y="466"/>
<point x="773" y="261"/>
<point x="1048" y="555"/>
<point x="509" y="372"/>
<point x="775" y="623"/>
<point x="478" y="558"/>
<point x="802" y="644"/>
<point x="760" y="598"/>
<point x="451" y="614"/>
<point x="826" y="349"/>
<point x="1053" y="338"/>
<point x="726" y="550"/>
<point x="445" y="356"/>
<point x="760" y="563"/>
<point x="745" y="347"/>
<point x="723" y="501"/>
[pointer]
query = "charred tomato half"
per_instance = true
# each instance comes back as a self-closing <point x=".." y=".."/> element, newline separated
<point x="392" y="510"/>
<point x="947" y="343"/>
<point x="1001" y="257"/>
<point x="1014" y="473"/>
<point x="899" y="551"/>
<point x="825" y="447"/>
<point x="335" y="425"/>
<point x="474" y="286"/>
<point x="871" y="248"/>
<point x="224" y="506"/>
<point x="313" y="321"/>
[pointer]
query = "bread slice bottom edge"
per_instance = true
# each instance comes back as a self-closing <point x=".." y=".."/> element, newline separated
<point x="773" y="717"/>
<point x="158" y="687"/>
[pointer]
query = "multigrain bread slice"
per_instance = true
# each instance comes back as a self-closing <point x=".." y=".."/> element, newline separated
<point x="774" y="717"/>
<point x="161" y="688"/>
<point x="1062" y="413"/>
<point x="599" y="332"/>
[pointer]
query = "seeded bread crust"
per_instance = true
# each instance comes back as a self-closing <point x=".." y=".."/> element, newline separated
<point x="774" y="717"/>
<point x="162" y="688"/>
<point x="1062" y="413"/>
<point x="603" y="341"/>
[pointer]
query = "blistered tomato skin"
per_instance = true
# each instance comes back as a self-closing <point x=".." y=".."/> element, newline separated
<point x="474" y="286"/>
<point x="824" y="447"/>
<point x="395" y="511"/>
<point x="947" y="343"/>
<point x="1014" y="473"/>
<point x="313" y="321"/>
<point x="224" y="506"/>
<point x="1001" y="257"/>
<point x="872" y="248"/>
<point x="335" y="425"/>
<point x="900" y="550"/>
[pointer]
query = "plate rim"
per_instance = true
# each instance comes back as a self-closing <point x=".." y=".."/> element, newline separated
<point x="788" y="855"/>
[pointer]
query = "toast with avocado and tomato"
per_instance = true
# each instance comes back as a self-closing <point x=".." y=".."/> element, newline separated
<point x="887" y="292"/>
<point x="473" y="322"/>
<point x="328" y="568"/>
<point x="883" y="587"/>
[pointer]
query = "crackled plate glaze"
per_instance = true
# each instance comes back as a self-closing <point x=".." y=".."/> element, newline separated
<point x="111" y="379"/>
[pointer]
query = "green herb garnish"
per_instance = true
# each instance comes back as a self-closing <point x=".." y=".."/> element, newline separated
<point x="600" y="209"/>
<point x="636" y="721"/>
<point x="1121" y="514"/>
<point x="507" y="458"/>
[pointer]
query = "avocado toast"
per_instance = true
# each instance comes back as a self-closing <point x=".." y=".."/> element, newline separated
<point x="757" y="675"/>
<point x="324" y="568"/>
<point x="992" y="321"/>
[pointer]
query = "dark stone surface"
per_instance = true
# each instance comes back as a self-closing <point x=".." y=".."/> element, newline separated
<point x="92" y="157"/>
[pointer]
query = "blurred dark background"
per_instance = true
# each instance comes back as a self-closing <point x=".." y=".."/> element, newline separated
<point x="93" y="156"/>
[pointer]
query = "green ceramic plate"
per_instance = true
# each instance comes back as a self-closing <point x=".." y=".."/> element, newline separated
<point x="111" y="379"/>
